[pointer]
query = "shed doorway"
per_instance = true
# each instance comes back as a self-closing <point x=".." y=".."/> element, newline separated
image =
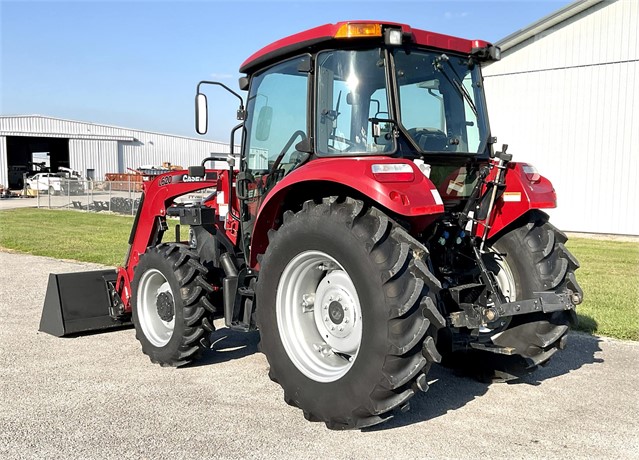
<point x="21" y="161"/>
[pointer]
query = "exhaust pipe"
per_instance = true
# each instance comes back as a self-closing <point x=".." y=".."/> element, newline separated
<point x="80" y="302"/>
<point x="229" y="287"/>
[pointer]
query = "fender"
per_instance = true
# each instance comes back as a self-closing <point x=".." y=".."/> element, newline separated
<point x="412" y="196"/>
<point x="523" y="193"/>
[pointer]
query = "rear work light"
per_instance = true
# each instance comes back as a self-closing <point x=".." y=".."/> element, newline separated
<point x="393" y="172"/>
<point x="486" y="52"/>
<point x="531" y="173"/>
<point x="354" y="30"/>
<point x="393" y="37"/>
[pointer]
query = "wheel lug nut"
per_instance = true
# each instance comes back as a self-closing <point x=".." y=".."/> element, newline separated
<point x="341" y="328"/>
<point x="326" y="319"/>
<point x="332" y="328"/>
<point x="346" y="321"/>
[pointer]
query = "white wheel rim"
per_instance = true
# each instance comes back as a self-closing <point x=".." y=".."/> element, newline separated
<point x="319" y="316"/>
<point x="156" y="330"/>
<point x="505" y="280"/>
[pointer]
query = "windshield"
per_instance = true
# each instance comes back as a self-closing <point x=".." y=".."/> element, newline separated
<point x="440" y="102"/>
<point x="352" y="90"/>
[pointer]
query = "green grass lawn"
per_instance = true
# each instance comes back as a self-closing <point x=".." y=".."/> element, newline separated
<point x="609" y="276"/>
<point x="609" y="273"/>
<point x="88" y="237"/>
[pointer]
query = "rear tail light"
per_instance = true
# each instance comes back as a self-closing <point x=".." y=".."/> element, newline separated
<point x="531" y="173"/>
<point x="393" y="172"/>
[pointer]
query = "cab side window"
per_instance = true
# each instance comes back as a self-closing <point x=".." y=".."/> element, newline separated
<point x="278" y="107"/>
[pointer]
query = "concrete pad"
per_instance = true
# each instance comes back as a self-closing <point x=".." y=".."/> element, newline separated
<point x="98" y="396"/>
<point x="14" y="203"/>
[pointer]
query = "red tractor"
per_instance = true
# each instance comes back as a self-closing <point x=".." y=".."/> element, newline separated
<point x="369" y="230"/>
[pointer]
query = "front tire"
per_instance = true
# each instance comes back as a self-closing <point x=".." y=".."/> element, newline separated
<point x="171" y="312"/>
<point x="346" y="311"/>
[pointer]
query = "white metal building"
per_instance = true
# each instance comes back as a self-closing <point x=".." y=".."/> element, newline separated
<point x="565" y="98"/>
<point x="91" y="149"/>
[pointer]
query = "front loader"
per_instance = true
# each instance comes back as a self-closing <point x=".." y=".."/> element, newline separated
<point x="369" y="230"/>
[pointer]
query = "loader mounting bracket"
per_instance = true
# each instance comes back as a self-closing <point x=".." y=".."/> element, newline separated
<point x="192" y="215"/>
<point x="239" y="301"/>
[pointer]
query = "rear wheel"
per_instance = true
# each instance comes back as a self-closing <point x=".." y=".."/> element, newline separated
<point x="527" y="259"/>
<point x="323" y="344"/>
<point x="171" y="312"/>
<point x="346" y="311"/>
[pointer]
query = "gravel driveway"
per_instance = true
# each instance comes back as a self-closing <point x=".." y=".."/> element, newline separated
<point x="97" y="396"/>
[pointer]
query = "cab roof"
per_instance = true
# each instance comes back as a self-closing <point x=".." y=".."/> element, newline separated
<point x="325" y="36"/>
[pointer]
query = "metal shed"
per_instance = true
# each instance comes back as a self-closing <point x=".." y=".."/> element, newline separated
<point x="89" y="148"/>
<point x="564" y="97"/>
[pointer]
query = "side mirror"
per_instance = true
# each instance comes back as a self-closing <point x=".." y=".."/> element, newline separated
<point x="387" y="129"/>
<point x="263" y="128"/>
<point x="376" y="130"/>
<point x="201" y="114"/>
<point x="352" y="98"/>
<point x="429" y="84"/>
<point x="197" y="171"/>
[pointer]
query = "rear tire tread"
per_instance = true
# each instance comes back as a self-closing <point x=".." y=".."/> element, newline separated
<point x="412" y="316"/>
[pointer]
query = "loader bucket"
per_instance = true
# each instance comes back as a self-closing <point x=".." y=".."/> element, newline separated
<point x="79" y="302"/>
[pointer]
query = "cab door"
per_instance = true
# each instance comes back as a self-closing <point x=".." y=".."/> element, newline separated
<point x="277" y="130"/>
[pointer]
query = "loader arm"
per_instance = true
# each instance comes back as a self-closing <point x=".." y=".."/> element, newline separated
<point x="99" y="300"/>
<point x="150" y="220"/>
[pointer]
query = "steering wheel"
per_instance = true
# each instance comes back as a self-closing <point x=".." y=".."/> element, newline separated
<point x="429" y="138"/>
<point x="278" y="160"/>
<point x="343" y="140"/>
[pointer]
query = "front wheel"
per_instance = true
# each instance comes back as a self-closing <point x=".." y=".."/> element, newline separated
<point x="171" y="312"/>
<point x="346" y="311"/>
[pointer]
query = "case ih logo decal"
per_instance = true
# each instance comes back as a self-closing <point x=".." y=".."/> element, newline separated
<point x="166" y="180"/>
<point x="187" y="178"/>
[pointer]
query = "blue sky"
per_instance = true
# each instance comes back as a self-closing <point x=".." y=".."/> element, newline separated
<point x="136" y="64"/>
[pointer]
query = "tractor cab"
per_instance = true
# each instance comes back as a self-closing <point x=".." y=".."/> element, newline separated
<point x="360" y="89"/>
<point x="352" y="109"/>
